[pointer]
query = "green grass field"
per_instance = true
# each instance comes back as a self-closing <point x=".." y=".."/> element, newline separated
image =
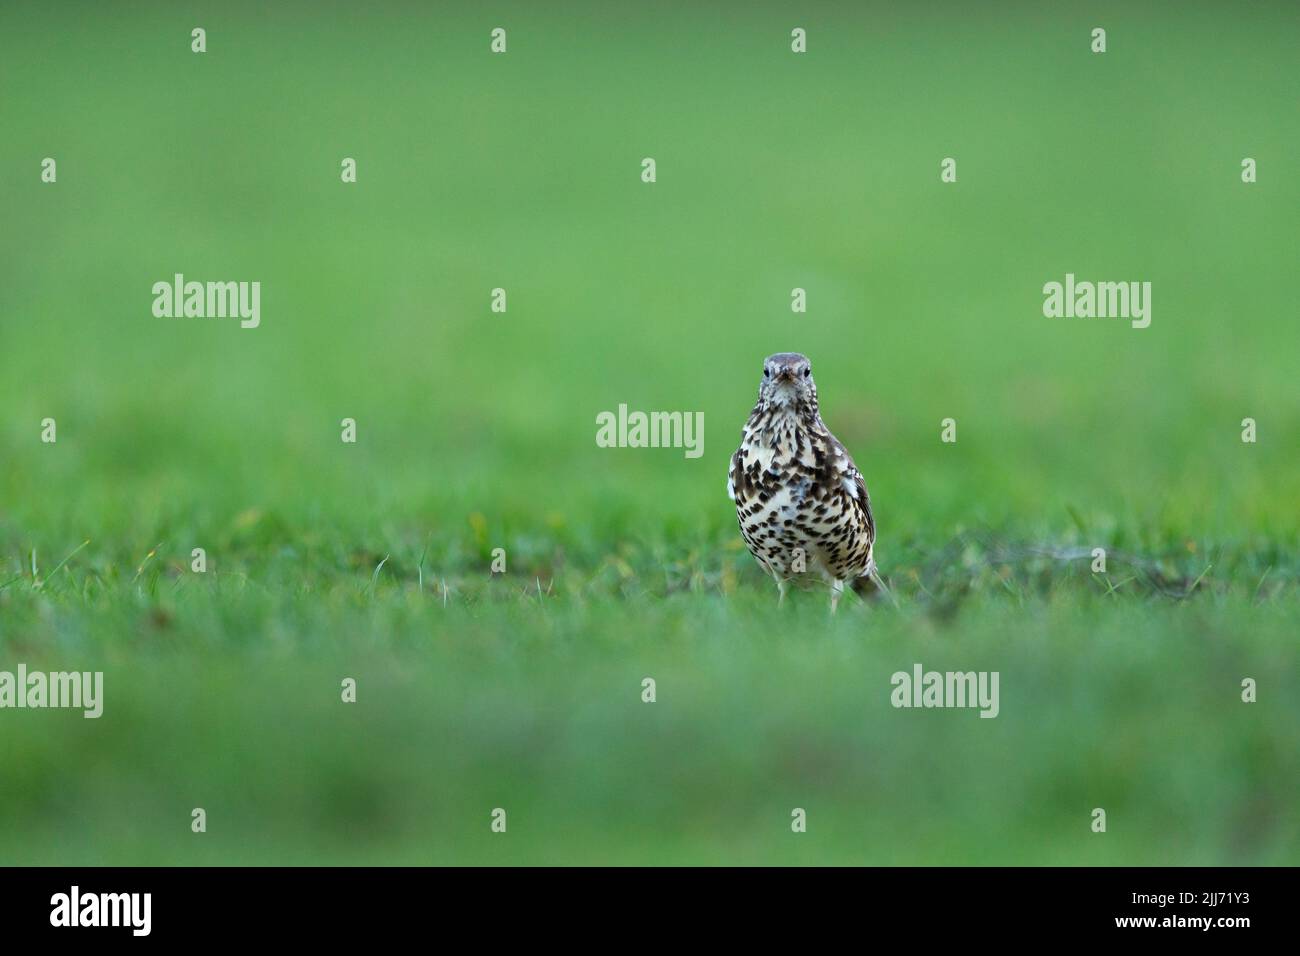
<point x="476" y="430"/>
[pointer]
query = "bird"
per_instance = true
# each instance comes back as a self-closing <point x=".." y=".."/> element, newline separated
<point x="801" y="502"/>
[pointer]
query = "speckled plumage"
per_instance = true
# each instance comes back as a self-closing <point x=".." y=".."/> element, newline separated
<point x="801" y="502"/>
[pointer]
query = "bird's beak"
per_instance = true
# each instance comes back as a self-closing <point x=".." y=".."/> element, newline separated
<point x="786" y="374"/>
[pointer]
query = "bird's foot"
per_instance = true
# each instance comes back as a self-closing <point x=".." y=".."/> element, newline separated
<point x="837" y="589"/>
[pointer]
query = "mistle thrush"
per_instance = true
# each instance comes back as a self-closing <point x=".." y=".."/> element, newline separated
<point x="800" y="500"/>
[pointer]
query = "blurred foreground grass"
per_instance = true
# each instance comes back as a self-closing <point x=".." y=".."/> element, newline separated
<point x="231" y="701"/>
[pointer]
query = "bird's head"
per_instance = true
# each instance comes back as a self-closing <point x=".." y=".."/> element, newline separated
<point x="787" y="383"/>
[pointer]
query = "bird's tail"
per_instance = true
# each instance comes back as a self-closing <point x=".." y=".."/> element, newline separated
<point x="871" y="582"/>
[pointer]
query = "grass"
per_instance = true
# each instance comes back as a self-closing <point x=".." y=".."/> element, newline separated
<point x="1120" y="689"/>
<point x="227" y="697"/>
<point x="524" y="692"/>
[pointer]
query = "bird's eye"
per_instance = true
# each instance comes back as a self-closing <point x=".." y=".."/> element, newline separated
<point x="807" y="372"/>
<point x="766" y="372"/>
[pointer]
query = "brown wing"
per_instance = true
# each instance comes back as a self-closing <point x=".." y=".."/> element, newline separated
<point x="736" y="476"/>
<point x="852" y="482"/>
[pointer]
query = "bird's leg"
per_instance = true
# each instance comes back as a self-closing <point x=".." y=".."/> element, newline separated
<point x="781" y="587"/>
<point x="837" y="588"/>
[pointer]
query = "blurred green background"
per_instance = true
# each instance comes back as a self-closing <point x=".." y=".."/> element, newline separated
<point x="476" y="430"/>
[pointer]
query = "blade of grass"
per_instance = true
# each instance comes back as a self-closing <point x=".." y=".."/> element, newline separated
<point x="140" y="570"/>
<point x="58" y="566"/>
<point x="374" y="578"/>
